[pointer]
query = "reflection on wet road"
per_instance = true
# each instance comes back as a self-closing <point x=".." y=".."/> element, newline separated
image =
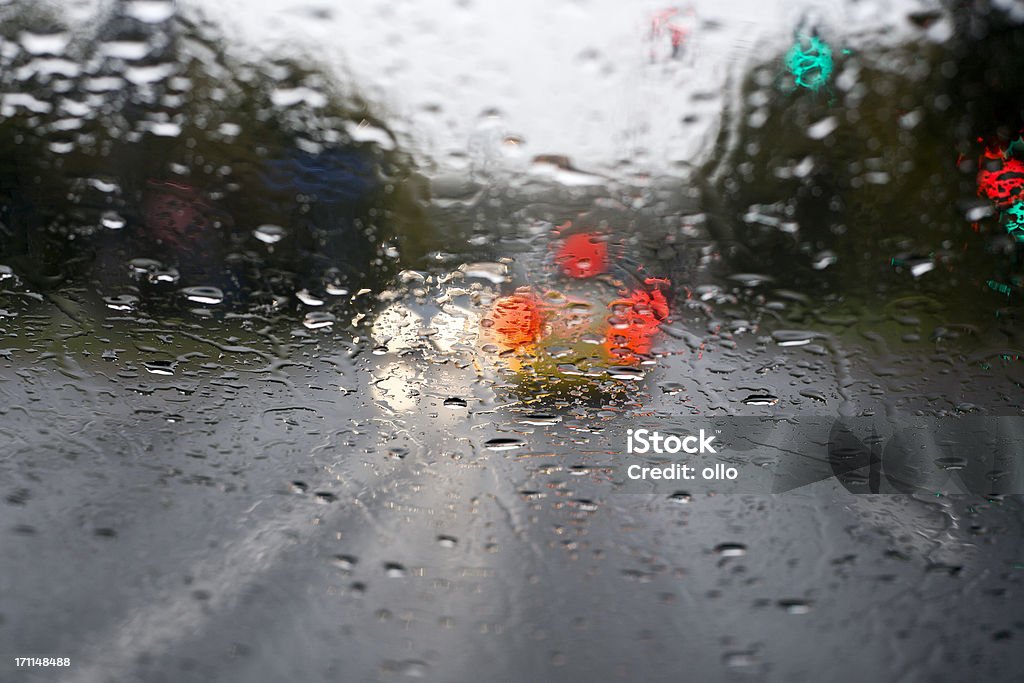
<point x="251" y="517"/>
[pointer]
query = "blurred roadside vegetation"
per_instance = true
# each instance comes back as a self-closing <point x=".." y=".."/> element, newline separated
<point x="95" y="119"/>
<point x="863" y="196"/>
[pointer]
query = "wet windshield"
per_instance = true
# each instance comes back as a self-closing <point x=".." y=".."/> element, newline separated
<point x="330" y="330"/>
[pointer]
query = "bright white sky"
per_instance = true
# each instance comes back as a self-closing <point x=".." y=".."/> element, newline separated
<point x="570" y="77"/>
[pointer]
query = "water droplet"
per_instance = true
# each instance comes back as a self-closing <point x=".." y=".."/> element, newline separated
<point x="394" y="570"/>
<point x="761" y="400"/>
<point x="364" y="131"/>
<point x="751" y="279"/>
<point x="317" y="320"/>
<point x="793" y="337"/>
<point x="111" y="220"/>
<point x="626" y="372"/>
<point x="731" y="549"/>
<point x="814" y="395"/>
<point x="344" y="562"/>
<point x="398" y="452"/>
<point x="270" y="234"/>
<point x="121" y="302"/>
<point x="305" y="297"/>
<point x="131" y="50"/>
<point x="164" y="276"/>
<point x="921" y="266"/>
<point x="822" y="128"/>
<point x="538" y="419"/>
<point x="492" y="272"/>
<point x="824" y="259"/>
<point x="160" y="367"/>
<point x="150" y="11"/>
<point x="503" y="444"/>
<point x="45" y="43"/>
<point x="204" y="295"/>
<point x="795" y="606"/>
<point x="141" y="267"/>
<point x="289" y="97"/>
